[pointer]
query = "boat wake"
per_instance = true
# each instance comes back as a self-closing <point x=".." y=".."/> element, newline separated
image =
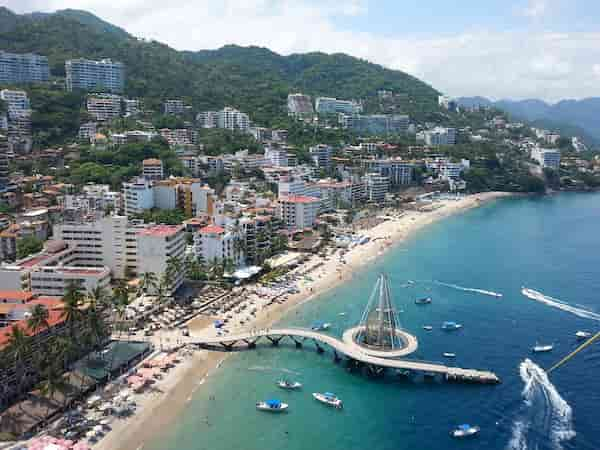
<point x="272" y="369"/>
<point x="544" y="415"/>
<point x="559" y="304"/>
<point x="466" y="289"/>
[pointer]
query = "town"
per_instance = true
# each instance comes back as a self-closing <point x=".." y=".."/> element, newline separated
<point x="144" y="218"/>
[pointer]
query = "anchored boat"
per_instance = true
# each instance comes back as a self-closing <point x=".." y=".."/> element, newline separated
<point x="451" y="326"/>
<point x="465" y="430"/>
<point x="272" y="406"/>
<point x="320" y="326"/>
<point x="423" y="301"/>
<point x="582" y="335"/>
<point x="542" y="348"/>
<point x="329" y="399"/>
<point x="427" y="327"/>
<point x="449" y="355"/>
<point x="290" y="385"/>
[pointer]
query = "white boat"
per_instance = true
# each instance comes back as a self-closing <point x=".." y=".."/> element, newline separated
<point x="284" y="384"/>
<point x="542" y="348"/>
<point x="427" y="327"/>
<point x="451" y="326"/>
<point x="272" y="406"/>
<point x="321" y="326"/>
<point x="449" y="355"/>
<point x="423" y="301"/>
<point x="328" y="398"/>
<point x="465" y="430"/>
<point x="582" y="335"/>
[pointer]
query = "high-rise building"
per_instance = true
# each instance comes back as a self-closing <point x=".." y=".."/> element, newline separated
<point x="152" y="169"/>
<point x="228" y="118"/>
<point x="547" y="158"/>
<point x="137" y="196"/>
<point x="397" y="171"/>
<point x="173" y="107"/>
<point x="104" y="107"/>
<point x="100" y="76"/>
<point x="376" y="123"/>
<point x="321" y="156"/>
<point x="20" y="68"/>
<point x="440" y="136"/>
<point x="16" y="100"/>
<point x="376" y="187"/>
<point x="328" y="105"/>
<point x="298" y="212"/>
<point x="3" y="163"/>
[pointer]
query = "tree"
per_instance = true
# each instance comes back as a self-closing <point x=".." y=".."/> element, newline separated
<point x="27" y="246"/>
<point x="19" y="347"/>
<point x="53" y="380"/>
<point x="71" y="313"/>
<point x="39" y="319"/>
<point x="148" y="282"/>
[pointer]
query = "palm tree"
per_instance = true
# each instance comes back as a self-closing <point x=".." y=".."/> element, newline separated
<point x="53" y="381"/>
<point x="174" y="266"/>
<point x="148" y="282"/>
<point x="164" y="286"/>
<point x="98" y="298"/>
<point x="39" y="319"/>
<point x="72" y="302"/>
<point x="19" y="347"/>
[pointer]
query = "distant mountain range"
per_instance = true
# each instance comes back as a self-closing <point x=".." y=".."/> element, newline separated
<point x="564" y="115"/>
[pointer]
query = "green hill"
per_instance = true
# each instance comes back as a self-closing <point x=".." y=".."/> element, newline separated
<point x="253" y="79"/>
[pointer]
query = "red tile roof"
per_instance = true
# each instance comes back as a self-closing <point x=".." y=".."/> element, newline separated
<point x="160" y="230"/>
<point x="18" y="296"/>
<point x="54" y="318"/>
<point x="298" y="199"/>
<point x="212" y="229"/>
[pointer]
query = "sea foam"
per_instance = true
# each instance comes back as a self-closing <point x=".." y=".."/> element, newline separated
<point x="467" y="289"/>
<point x="559" y="304"/>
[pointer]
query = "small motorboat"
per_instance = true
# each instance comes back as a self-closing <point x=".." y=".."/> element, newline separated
<point x="582" y="335"/>
<point x="449" y="355"/>
<point x="320" y="326"/>
<point x="290" y="385"/>
<point x="423" y="301"/>
<point x="272" y="406"/>
<point x="427" y="327"/>
<point x="464" y="431"/>
<point x="542" y="348"/>
<point x="328" y="398"/>
<point x="451" y="326"/>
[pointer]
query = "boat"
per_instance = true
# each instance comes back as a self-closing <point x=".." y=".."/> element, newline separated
<point x="465" y="430"/>
<point x="427" y="327"/>
<point x="542" y="348"/>
<point x="328" y="398"/>
<point x="320" y="326"/>
<point x="423" y="301"/>
<point x="449" y="355"/>
<point x="451" y="326"/>
<point x="272" y="406"/>
<point x="284" y="384"/>
<point x="582" y="335"/>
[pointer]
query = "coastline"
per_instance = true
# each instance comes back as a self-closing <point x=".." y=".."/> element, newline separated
<point x="158" y="410"/>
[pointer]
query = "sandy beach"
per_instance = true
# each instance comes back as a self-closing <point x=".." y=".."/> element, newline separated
<point x="159" y="408"/>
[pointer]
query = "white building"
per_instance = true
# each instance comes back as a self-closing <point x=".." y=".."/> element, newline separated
<point x="333" y="193"/>
<point x="104" y="107"/>
<point x="328" y="105"/>
<point x="447" y="169"/>
<point x="298" y="212"/>
<point x="87" y="131"/>
<point x="137" y="196"/>
<point x="174" y="107"/>
<point x="158" y="245"/>
<point x="376" y="186"/>
<point x="300" y="105"/>
<point x="440" y="136"/>
<point x="179" y="136"/>
<point x="152" y="169"/>
<point x="321" y="156"/>
<point x="207" y="119"/>
<point x="99" y="76"/>
<point x="397" y="171"/>
<point x="17" y="101"/>
<point x="546" y="157"/>
<point x="276" y="156"/>
<point x="228" y="118"/>
<point x="216" y="244"/>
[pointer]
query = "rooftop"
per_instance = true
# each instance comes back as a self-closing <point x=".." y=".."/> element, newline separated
<point x="160" y="230"/>
<point x="298" y="199"/>
<point x="212" y="229"/>
<point x="151" y="161"/>
<point x="54" y="318"/>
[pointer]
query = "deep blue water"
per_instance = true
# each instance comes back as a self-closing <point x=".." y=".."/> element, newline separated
<point x="551" y="244"/>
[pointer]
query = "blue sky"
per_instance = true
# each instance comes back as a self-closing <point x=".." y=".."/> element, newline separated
<point x="548" y="49"/>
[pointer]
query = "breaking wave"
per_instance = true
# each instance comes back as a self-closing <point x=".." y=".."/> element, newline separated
<point x="467" y="289"/>
<point x="559" y="304"/>
<point x="545" y="414"/>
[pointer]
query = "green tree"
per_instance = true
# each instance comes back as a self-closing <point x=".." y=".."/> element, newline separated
<point x="27" y="246"/>
<point x="38" y="320"/>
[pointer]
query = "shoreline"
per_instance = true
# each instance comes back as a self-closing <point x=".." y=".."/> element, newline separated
<point x="184" y="380"/>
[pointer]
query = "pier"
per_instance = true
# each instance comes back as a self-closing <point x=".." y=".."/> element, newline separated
<point x="352" y="351"/>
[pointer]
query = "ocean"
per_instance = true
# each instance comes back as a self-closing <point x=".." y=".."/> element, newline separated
<point x="550" y="244"/>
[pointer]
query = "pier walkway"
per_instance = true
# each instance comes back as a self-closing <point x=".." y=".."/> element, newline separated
<point x="349" y="350"/>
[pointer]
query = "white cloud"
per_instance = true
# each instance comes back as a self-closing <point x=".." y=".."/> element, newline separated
<point x="510" y="64"/>
<point x="535" y="9"/>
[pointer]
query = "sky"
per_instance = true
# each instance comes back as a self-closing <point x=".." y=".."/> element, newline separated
<point x="547" y="49"/>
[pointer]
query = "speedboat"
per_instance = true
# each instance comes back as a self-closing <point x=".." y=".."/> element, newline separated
<point x="427" y="327"/>
<point x="329" y="399"/>
<point x="581" y="335"/>
<point x="284" y="384"/>
<point x="451" y="326"/>
<point x="272" y="406"/>
<point x="542" y="348"/>
<point x="465" y="430"/>
<point x="423" y="301"/>
<point x="449" y="355"/>
<point x="320" y="326"/>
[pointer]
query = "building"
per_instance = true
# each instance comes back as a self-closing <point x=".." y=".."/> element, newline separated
<point x="176" y="107"/>
<point x="333" y="194"/>
<point x="447" y="169"/>
<point x="376" y="187"/>
<point x="207" y="119"/>
<point x="4" y="170"/>
<point x="138" y="196"/>
<point x="99" y="76"/>
<point x="440" y="136"/>
<point x="17" y="101"/>
<point x="152" y="169"/>
<point x="376" y="123"/>
<point x="158" y="246"/>
<point x="21" y="68"/>
<point x="298" y="212"/>
<point x="179" y="136"/>
<point x="132" y="107"/>
<point x="87" y="132"/>
<point x="321" y="156"/>
<point x="187" y="194"/>
<point x="397" y="171"/>
<point x="328" y="105"/>
<point x="216" y="244"/>
<point x="104" y="107"/>
<point x="276" y="156"/>
<point x="232" y="119"/>
<point x="546" y="158"/>
<point x="300" y="106"/>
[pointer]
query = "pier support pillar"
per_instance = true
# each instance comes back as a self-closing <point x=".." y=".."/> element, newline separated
<point x="298" y="343"/>
<point x="336" y="357"/>
<point x="319" y="348"/>
<point x="274" y="340"/>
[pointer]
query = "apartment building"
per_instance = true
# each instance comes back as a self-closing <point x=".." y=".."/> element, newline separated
<point x="152" y="169"/>
<point x="87" y="132"/>
<point x="321" y="156"/>
<point x="4" y="170"/>
<point x="179" y="136"/>
<point x="99" y="76"/>
<point x="329" y="105"/>
<point x="300" y="106"/>
<point x="440" y="136"/>
<point x="376" y="187"/>
<point x="20" y="68"/>
<point x="397" y="171"/>
<point x="228" y="118"/>
<point x="547" y="158"/>
<point x="447" y="169"/>
<point x="104" y="107"/>
<point x="376" y="123"/>
<point x="138" y="196"/>
<point x="175" y="107"/>
<point x="298" y="212"/>
<point x="16" y="100"/>
<point x="214" y="243"/>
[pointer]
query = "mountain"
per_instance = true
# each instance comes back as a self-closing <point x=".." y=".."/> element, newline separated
<point x="253" y="79"/>
<point x="566" y="114"/>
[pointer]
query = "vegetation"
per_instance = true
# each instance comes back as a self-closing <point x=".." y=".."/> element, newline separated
<point x="163" y="216"/>
<point x="28" y="246"/>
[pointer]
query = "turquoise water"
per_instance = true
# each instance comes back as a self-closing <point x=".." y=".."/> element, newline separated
<point x="549" y="244"/>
